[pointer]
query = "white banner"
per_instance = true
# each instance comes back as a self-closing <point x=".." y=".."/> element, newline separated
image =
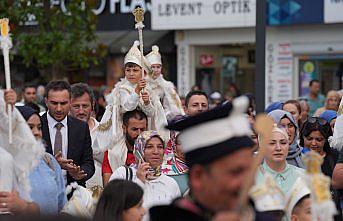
<point x="202" y="14"/>
<point x="333" y="11"/>
<point x="183" y="70"/>
<point x="279" y="72"/>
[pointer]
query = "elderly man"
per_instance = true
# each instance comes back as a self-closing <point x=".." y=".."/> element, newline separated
<point x="218" y="151"/>
<point x="82" y="107"/>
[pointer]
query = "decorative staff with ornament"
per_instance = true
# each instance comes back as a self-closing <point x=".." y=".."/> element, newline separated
<point x="139" y="18"/>
<point x="6" y="45"/>
<point x="130" y="94"/>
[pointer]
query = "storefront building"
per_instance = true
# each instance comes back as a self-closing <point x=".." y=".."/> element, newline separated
<point x="116" y="33"/>
<point x="216" y="41"/>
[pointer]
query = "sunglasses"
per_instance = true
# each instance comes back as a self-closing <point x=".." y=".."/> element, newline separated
<point x="318" y="120"/>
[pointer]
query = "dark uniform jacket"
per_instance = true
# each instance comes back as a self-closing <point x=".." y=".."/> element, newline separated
<point x="174" y="212"/>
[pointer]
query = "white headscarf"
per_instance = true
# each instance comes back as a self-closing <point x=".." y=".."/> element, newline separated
<point x="25" y="150"/>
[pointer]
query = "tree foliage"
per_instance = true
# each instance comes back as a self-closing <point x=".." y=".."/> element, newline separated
<point x="49" y="38"/>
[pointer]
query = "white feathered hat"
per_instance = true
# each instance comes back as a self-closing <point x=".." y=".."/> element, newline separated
<point x="154" y="57"/>
<point x="134" y="56"/>
<point x="298" y="191"/>
<point x="268" y="196"/>
<point x="82" y="203"/>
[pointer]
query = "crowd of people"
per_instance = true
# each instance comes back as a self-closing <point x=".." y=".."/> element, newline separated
<point x="140" y="152"/>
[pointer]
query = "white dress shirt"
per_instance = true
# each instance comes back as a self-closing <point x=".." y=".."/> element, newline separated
<point x="64" y="131"/>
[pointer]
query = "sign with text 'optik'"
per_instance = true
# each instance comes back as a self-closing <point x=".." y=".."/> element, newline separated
<point x="202" y="14"/>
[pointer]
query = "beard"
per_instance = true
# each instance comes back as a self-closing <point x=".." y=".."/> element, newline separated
<point x="130" y="140"/>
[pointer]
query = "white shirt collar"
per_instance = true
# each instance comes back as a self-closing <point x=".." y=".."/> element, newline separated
<point x="52" y="122"/>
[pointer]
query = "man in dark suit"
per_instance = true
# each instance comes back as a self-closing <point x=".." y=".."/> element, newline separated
<point x="67" y="138"/>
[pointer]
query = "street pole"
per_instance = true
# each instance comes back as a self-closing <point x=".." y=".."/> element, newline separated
<point x="260" y="55"/>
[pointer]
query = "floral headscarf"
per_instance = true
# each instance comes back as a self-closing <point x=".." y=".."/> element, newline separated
<point x="173" y="165"/>
<point x="139" y="147"/>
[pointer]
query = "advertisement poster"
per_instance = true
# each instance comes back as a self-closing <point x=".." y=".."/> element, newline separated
<point x="279" y="72"/>
<point x="308" y="72"/>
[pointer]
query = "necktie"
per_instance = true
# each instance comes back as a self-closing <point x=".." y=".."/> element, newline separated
<point x="58" y="138"/>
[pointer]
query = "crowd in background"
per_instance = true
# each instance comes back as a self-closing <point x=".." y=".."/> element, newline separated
<point x="116" y="139"/>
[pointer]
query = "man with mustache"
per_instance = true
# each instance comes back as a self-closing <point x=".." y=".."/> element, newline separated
<point x="67" y="138"/>
<point x="134" y="123"/>
<point x="82" y="108"/>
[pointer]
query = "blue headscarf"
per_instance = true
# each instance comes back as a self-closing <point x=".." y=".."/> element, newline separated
<point x="294" y="152"/>
<point x="329" y="115"/>
<point x="274" y="106"/>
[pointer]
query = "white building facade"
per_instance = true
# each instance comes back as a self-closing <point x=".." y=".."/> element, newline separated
<point x="216" y="44"/>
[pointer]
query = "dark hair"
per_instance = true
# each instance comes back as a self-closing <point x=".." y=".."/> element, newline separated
<point x="300" y="202"/>
<point x="29" y="86"/>
<point x="131" y="65"/>
<point x="79" y="89"/>
<point x="136" y="114"/>
<point x="192" y="93"/>
<point x="118" y="196"/>
<point x="27" y="217"/>
<point x="33" y="106"/>
<point x="313" y="81"/>
<point x="324" y="129"/>
<point x="27" y="112"/>
<point x="58" y="85"/>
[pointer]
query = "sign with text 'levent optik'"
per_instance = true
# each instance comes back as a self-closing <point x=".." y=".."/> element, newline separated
<point x="198" y="14"/>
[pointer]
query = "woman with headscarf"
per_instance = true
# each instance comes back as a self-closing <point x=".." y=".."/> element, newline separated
<point x="17" y="159"/>
<point x="46" y="179"/>
<point x="174" y="164"/>
<point x="159" y="189"/>
<point x="285" y="119"/>
<point x="275" y="163"/>
<point x="293" y="107"/>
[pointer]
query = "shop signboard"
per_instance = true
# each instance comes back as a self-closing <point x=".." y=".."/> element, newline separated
<point x="202" y="14"/>
<point x="333" y="11"/>
<point x="112" y="14"/>
<point x="183" y="69"/>
<point x="288" y="12"/>
<point x="279" y="72"/>
<point x="284" y="72"/>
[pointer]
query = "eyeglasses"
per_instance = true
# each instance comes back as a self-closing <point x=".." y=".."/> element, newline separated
<point x="320" y="121"/>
